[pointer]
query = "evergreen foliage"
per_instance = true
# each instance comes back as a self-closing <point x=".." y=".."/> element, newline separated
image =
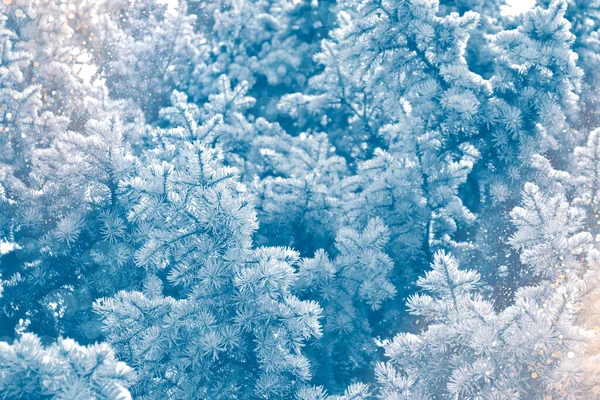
<point x="231" y="310"/>
<point x="279" y="199"/>
<point x="62" y="370"/>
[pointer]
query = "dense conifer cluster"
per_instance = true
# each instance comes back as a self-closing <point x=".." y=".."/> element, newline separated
<point x="299" y="199"/>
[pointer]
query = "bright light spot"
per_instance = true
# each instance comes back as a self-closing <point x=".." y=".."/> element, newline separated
<point x="171" y="5"/>
<point x="516" y="7"/>
<point x="7" y="247"/>
<point x="570" y="354"/>
<point x="87" y="71"/>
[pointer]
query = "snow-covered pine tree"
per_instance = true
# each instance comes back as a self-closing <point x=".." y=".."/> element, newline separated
<point x="62" y="370"/>
<point x="60" y="65"/>
<point x="228" y="108"/>
<point x="540" y="344"/>
<point x="553" y="243"/>
<point x="300" y="188"/>
<point x="267" y="43"/>
<point x="395" y="77"/>
<point x="188" y="45"/>
<point x="468" y="350"/>
<point x="227" y="325"/>
<point x="584" y="17"/>
<point x="549" y="233"/>
<point x="296" y="179"/>
<point x="69" y="225"/>
<point x="144" y="50"/>
<point x="21" y="119"/>
<point x="415" y="191"/>
<point x="565" y="231"/>
<point x="351" y="288"/>
<point x="536" y="84"/>
<point x="374" y="61"/>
